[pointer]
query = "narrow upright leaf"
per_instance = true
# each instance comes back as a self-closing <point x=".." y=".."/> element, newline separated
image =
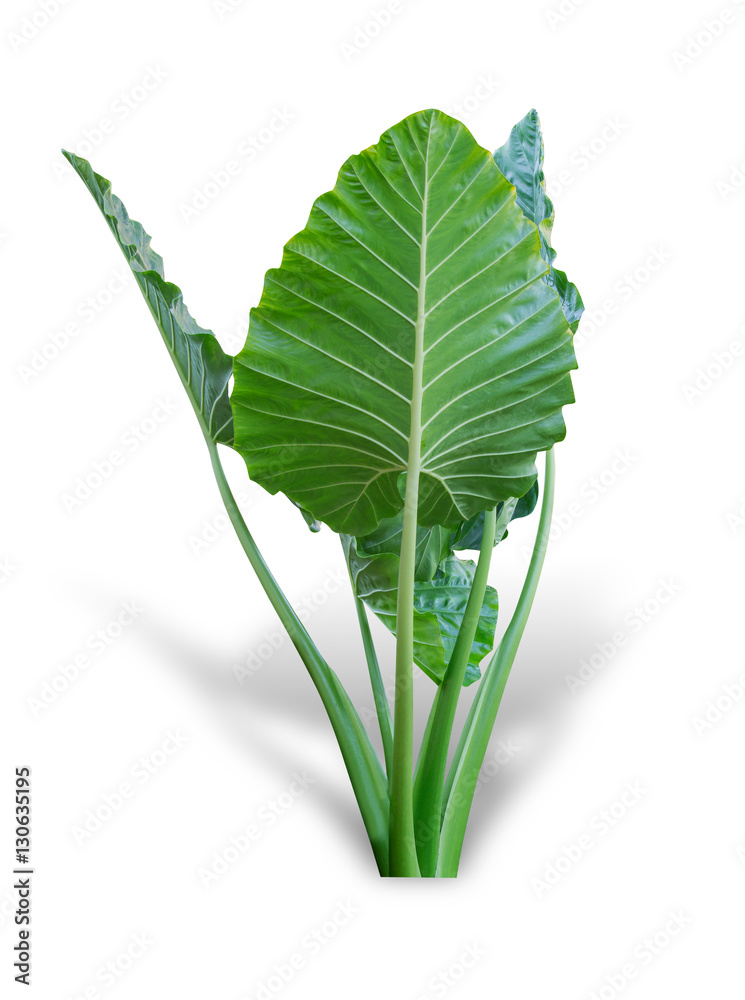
<point x="521" y="162"/>
<point x="203" y="366"/>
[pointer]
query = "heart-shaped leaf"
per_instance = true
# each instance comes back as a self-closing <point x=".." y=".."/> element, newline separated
<point x="409" y="321"/>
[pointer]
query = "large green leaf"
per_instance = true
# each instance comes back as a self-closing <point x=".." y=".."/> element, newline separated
<point x="413" y="303"/>
<point x="203" y="366"/>
<point x="439" y="603"/>
<point x="521" y="162"/>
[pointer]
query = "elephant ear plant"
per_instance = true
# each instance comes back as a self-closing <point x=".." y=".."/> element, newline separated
<point x="407" y="361"/>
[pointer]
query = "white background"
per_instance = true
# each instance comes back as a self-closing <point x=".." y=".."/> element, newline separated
<point x="642" y="143"/>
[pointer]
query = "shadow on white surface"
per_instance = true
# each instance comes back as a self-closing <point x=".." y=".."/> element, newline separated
<point x="537" y="706"/>
<point x="280" y="698"/>
<point x="277" y="700"/>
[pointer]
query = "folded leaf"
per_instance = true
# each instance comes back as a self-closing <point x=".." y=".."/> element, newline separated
<point x="203" y="366"/>
<point x="433" y="544"/>
<point x="521" y="162"/>
<point x="436" y="561"/>
<point x="308" y="518"/>
<point x="439" y="605"/>
<point x="409" y="317"/>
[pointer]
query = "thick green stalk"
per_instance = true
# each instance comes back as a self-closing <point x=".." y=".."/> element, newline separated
<point x="482" y="723"/>
<point x="502" y="522"/>
<point x="426" y="736"/>
<point x="363" y="766"/>
<point x="403" y="857"/>
<point x="428" y="786"/>
<point x="382" y="708"/>
<point x="403" y="860"/>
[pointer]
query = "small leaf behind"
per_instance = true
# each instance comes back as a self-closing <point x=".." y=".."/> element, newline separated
<point x="432" y="544"/>
<point x="440" y="598"/>
<point x="468" y="535"/>
<point x="521" y="162"/>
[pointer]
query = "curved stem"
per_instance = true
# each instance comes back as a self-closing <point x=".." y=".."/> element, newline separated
<point x="502" y="522"/>
<point x="382" y="708"/>
<point x="463" y="739"/>
<point x="479" y="733"/>
<point x="428" y="786"/>
<point x="363" y="766"/>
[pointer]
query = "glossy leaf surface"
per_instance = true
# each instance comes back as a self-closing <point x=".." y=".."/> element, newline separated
<point x="421" y="234"/>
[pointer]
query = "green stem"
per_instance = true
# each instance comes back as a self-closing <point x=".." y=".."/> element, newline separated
<point x="482" y="723"/>
<point x="403" y="857"/>
<point x="363" y="766"/>
<point x="426" y="737"/>
<point x="382" y="708"/>
<point x="502" y="522"/>
<point x="430" y="778"/>
<point x="463" y="739"/>
<point x="403" y="861"/>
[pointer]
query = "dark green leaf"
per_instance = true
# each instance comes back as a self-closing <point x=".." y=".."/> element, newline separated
<point x="433" y="544"/>
<point x="468" y="535"/>
<point x="439" y="605"/>
<point x="521" y="162"/>
<point x="203" y="366"/>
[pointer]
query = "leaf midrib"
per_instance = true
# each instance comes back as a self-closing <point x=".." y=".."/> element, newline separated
<point x="414" y="463"/>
